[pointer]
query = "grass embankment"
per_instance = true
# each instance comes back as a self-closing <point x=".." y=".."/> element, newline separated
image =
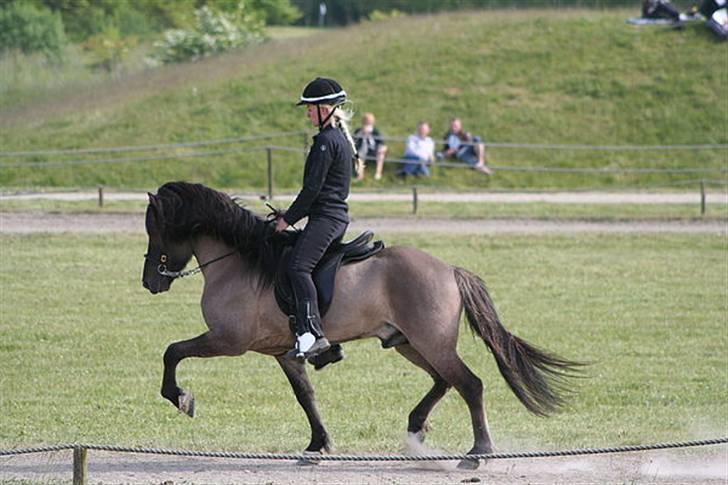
<point x="81" y="345"/>
<point x="571" y="77"/>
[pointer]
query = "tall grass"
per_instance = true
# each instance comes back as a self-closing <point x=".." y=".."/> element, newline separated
<point x="569" y="77"/>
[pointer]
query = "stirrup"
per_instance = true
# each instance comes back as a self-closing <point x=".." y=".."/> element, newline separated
<point x="307" y="345"/>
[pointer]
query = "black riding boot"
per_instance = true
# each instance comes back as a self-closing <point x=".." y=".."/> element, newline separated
<point x="310" y="340"/>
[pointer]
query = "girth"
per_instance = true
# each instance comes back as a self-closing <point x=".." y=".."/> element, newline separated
<point x="324" y="275"/>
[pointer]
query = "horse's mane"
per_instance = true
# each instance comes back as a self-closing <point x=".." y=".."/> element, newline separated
<point x="192" y="209"/>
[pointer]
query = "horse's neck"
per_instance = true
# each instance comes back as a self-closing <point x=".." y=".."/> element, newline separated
<point x="207" y="250"/>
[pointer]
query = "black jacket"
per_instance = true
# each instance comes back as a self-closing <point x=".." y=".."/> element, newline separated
<point x="326" y="179"/>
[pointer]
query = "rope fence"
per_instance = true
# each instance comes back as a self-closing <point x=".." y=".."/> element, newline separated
<point x="80" y="453"/>
<point x="305" y="136"/>
<point x="398" y="161"/>
<point x="161" y="146"/>
<point x="150" y="158"/>
<point x="187" y="150"/>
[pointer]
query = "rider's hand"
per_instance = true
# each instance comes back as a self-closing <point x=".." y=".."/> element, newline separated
<point x="281" y="224"/>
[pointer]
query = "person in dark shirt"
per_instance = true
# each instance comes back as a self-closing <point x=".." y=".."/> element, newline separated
<point x="661" y="9"/>
<point x="326" y="181"/>
<point x="461" y="145"/>
<point x="716" y="13"/>
<point x="369" y="146"/>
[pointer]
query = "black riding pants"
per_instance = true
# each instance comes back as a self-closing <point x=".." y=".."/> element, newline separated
<point x="312" y="243"/>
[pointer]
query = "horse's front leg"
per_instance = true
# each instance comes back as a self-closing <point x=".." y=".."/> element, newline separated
<point x="295" y="371"/>
<point x="205" y="345"/>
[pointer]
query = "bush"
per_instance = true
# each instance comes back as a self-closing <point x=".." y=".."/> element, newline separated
<point x="108" y="49"/>
<point x="277" y="12"/>
<point x="379" y="15"/>
<point x="214" y="33"/>
<point x="29" y="29"/>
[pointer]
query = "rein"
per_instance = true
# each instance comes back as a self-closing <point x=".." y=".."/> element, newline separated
<point x="162" y="268"/>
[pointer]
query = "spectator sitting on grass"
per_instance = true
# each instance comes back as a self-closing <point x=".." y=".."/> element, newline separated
<point x="369" y="146"/>
<point x="661" y="9"/>
<point x="463" y="146"/>
<point x="421" y="150"/>
<point x="716" y="13"/>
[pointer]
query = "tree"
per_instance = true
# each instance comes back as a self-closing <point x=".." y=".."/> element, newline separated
<point x="27" y="28"/>
<point x="214" y="32"/>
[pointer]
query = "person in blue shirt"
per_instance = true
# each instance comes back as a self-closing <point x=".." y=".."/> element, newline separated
<point x="461" y="145"/>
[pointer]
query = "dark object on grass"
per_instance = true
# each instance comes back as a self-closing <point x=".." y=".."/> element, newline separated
<point x="716" y="13"/>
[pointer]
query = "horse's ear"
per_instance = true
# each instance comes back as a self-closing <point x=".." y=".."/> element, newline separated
<point x="154" y="202"/>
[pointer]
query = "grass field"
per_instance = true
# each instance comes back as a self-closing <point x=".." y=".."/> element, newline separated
<point x="81" y="345"/>
<point x="524" y="76"/>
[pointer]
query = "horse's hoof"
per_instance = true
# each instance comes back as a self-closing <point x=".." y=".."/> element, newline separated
<point x="186" y="404"/>
<point x="309" y="458"/>
<point x="418" y="437"/>
<point x="469" y="464"/>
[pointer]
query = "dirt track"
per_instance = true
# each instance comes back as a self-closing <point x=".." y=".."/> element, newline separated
<point x="35" y="222"/>
<point x="639" y="468"/>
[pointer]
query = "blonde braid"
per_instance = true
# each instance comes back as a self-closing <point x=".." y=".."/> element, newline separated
<point x="343" y="117"/>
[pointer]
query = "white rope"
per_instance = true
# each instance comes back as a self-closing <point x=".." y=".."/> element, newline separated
<point x="322" y="457"/>
<point x="241" y="139"/>
<point x="150" y="158"/>
<point x="141" y="148"/>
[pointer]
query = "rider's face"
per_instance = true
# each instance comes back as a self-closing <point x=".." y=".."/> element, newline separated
<point x="313" y="114"/>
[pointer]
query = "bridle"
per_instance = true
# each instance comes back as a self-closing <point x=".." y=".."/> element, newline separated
<point x="162" y="265"/>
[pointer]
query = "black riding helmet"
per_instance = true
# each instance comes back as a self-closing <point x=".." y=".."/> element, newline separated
<point x="323" y="91"/>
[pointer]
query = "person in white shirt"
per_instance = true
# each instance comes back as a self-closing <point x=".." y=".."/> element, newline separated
<point x="421" y="150"/>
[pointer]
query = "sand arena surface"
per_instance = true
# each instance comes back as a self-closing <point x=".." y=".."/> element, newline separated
<point x="706" y="466"/>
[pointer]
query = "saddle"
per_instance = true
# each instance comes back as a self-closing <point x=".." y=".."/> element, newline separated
<point x="324" y="275"/>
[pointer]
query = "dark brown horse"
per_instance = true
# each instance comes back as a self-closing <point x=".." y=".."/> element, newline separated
<point x="399" y="289"/>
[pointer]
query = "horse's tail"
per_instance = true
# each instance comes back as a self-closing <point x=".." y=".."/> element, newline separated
<point x="536" y="377"/>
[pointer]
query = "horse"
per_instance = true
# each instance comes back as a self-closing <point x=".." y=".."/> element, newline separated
<point x="400" y="288"/>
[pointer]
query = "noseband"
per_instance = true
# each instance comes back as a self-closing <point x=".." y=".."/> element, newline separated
<point x="162" y="265"/>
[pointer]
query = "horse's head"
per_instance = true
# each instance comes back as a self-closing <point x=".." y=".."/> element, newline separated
<point x="165" y="255"/>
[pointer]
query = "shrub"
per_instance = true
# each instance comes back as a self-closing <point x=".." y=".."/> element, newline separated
<point x="215" y="32"/>
<point x="108" y="49"/>
<point x="379" y="15"/>
<point x="277" y="12"/>
<point x="27" y="28"/>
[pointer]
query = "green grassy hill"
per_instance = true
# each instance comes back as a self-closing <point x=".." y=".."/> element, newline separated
<point x="562" y="77"/>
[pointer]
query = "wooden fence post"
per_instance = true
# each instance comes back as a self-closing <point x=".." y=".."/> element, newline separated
<point x="270" y="172"/>
<point x="414" y="200"/>
<point x="702" y="197"/>
<point x="101" y="195"/>
<point x="80" y="465"/>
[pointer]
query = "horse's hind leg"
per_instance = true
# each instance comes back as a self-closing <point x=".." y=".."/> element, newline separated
<point x="417" y="421"/>
<point x="205" y="345"/>
<point x="295" y="371"/>
<point x="455" y="372"/>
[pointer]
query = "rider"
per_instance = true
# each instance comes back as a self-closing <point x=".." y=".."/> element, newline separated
<point x="326" y="180"/>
